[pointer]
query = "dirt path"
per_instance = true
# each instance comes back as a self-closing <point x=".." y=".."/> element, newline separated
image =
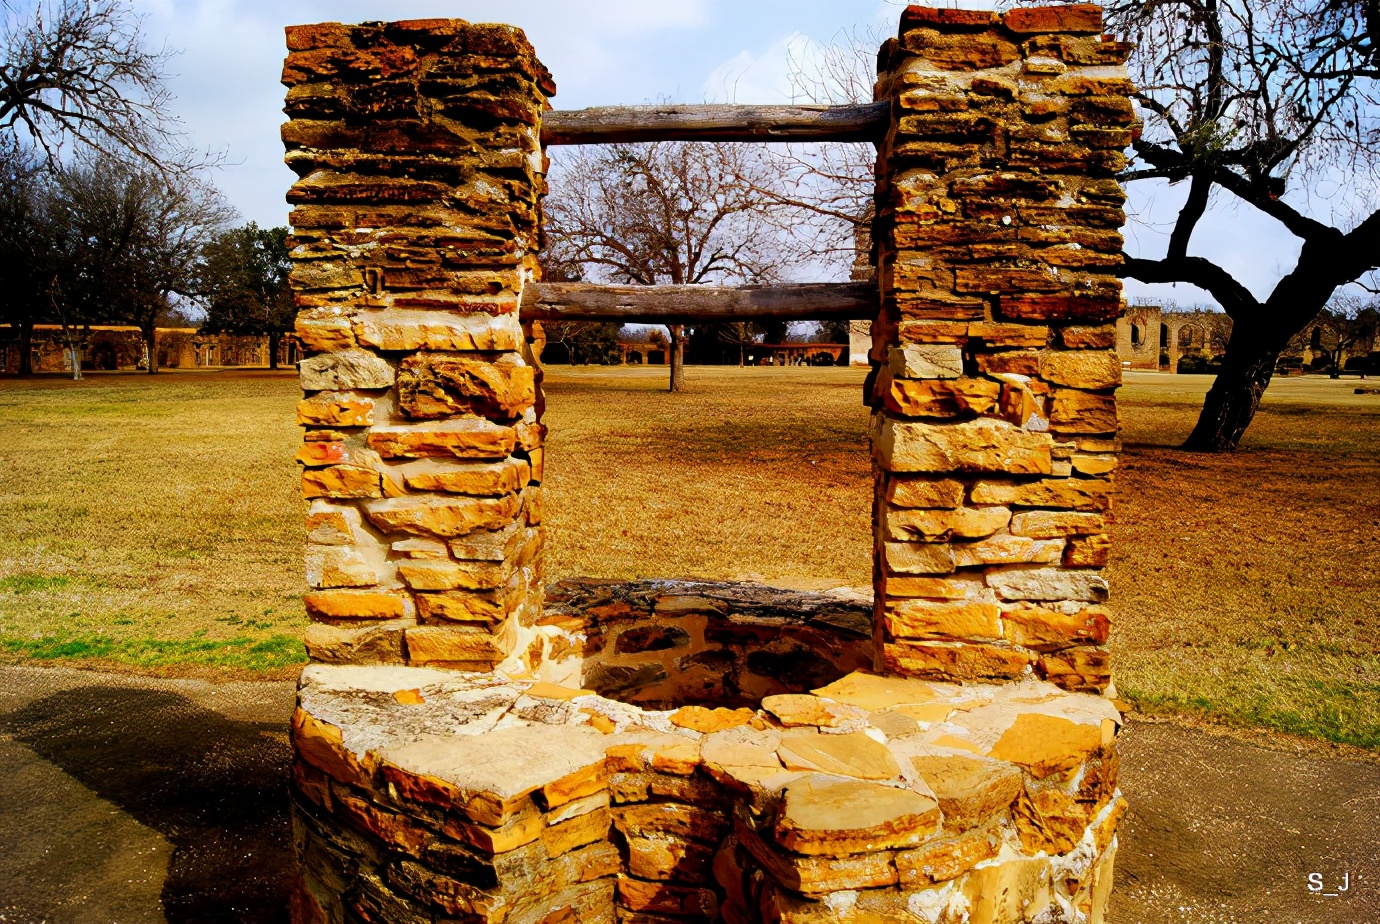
<point x="128" y="799"/>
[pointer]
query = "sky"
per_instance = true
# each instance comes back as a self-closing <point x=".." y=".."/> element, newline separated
<point x="225" y="75"/>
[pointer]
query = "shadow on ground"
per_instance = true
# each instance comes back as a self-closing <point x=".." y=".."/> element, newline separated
<point x="214" y="787"/>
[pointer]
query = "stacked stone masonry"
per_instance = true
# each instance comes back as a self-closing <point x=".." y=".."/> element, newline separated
<point x="472" y="748"/>
<point x="994" y="364"/>
<point x="428" y="795"/>
<point x="416" y="222"/>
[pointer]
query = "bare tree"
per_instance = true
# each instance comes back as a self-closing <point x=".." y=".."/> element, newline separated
<point x="1254" y="99"/>
<point x="673" y="213"/>
<point x="139" y="235"/>
<point x="23" y="247"/>
<point x="78" y="71"/>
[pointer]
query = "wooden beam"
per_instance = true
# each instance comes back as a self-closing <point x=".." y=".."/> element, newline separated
<point x="814" y="301"/>
<point x="612" y="124"/>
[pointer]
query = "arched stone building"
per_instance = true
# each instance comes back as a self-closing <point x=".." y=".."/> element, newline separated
<point x="1148" y="337"/>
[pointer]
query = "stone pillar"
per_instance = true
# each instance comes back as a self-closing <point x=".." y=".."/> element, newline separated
<point x="416" y="219"/>
<point x="994" y="368"/>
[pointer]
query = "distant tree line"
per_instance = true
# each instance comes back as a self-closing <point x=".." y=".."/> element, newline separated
<point x="112" y="240"/>
<point x="105" y="217"/>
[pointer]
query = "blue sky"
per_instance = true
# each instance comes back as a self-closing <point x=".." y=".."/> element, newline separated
<point x="605" y="52"/>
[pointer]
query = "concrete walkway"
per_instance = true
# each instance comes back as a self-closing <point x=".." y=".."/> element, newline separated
<point x="128" y="799"/>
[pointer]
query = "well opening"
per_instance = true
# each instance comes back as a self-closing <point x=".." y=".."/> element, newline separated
<point x="666" y="644"/>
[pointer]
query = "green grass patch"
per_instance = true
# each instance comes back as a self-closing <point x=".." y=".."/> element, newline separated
<point x="1337" y="713"/>
<point x="28" y="583"/>
<point x="254" y="654"/>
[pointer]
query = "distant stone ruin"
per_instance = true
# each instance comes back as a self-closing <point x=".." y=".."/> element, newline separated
<point x="474" y="746"/>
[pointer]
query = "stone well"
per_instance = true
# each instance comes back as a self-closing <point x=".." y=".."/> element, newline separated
<point x="472" y="745"/>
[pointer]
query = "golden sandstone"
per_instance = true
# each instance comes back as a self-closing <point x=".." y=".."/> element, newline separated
<point x="475" y="745"/>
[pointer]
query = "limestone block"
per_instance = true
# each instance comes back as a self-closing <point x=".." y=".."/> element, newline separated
<point x="446" y="384"/>
<point x="322" y="330"/>
<point x="1091" y="369"/>
<point x="399" y="328"/>
<point x="981" y="445"/>
<point x="463" y="606"/>
<point x="444" y="645"/>
<point x="1007" y="550"/>
<point x="1070" y="493"/>
<point x="943" y="525"/>
<point x="1043" y="628"/>
<point x="461" y="438"/>
<point x="477" y="478"/>
<point x="379" y="643"/>
<point x="344" y="370"/>
<point x="942" y="397"/>
<point x="818" y="875"/>
<point x="1093" y="464"/>
<point x="1079" y="337"/>
<point x="341" y="481"/>
<point x="1088" y="551"/>
<point x="1084" y="669"/>
<point x="950" y="619"/>
<point x="1046" y="744"/>
<point x="334" y="409"/>
<point x="822" y="815"/>
<point x="1074" y="411"/>
<point x="971" y="789"/>
<point x="935" y="588"/>
<point x="1008" y="336"/>
<point x="321" y="452"/>
<point x="949" y="858"/>
<point x="854" y="754"/>
<point x="331" y="524"/>
<point x="918" y="558"/>
<point x="452" y="575"/>
<point x="931" y="493"/>
<point x="956" y="660"/>
<point x="1019" y="583"/>
<point x="926" y="362"/>
<point x="356" y="604"/>
<point x="1052" y="307"/>
<point x="1053" y="524"/>
<point x="974" y="51"/>
<point x="339" y="566"/>
<point x="443" y="516"/>
<point x="659" y="898"/>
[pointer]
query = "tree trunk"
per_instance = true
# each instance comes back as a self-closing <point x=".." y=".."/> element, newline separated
<point x="741" y="361"/>
<point x="26" y="347"/>
<point x="74" y="357"/>
<point x="275" y="339"/>
<point x="151" y="342"/>
<point x="677" y="351"/>
<point x="1247" y="367"/>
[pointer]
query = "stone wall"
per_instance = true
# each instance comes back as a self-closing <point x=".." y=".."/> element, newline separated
<point x="669" y="752"/>
<point x="994" y="368"/>
<point x="416" y="220"/>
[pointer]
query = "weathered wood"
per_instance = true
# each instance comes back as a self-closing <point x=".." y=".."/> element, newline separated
<point x="815" y="301"/>
<point x="612" y="124"/>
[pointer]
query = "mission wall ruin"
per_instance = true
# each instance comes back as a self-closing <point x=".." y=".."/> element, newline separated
<point x="472" y="745"/>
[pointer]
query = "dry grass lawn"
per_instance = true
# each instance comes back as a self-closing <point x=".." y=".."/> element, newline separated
<point x="151" y="522"/>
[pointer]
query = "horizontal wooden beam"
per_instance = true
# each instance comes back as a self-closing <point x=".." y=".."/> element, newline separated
<point x="814" y="301"/>
<point x="614" y="124"/>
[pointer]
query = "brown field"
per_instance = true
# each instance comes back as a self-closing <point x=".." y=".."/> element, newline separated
<point x="151" y="522"/>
